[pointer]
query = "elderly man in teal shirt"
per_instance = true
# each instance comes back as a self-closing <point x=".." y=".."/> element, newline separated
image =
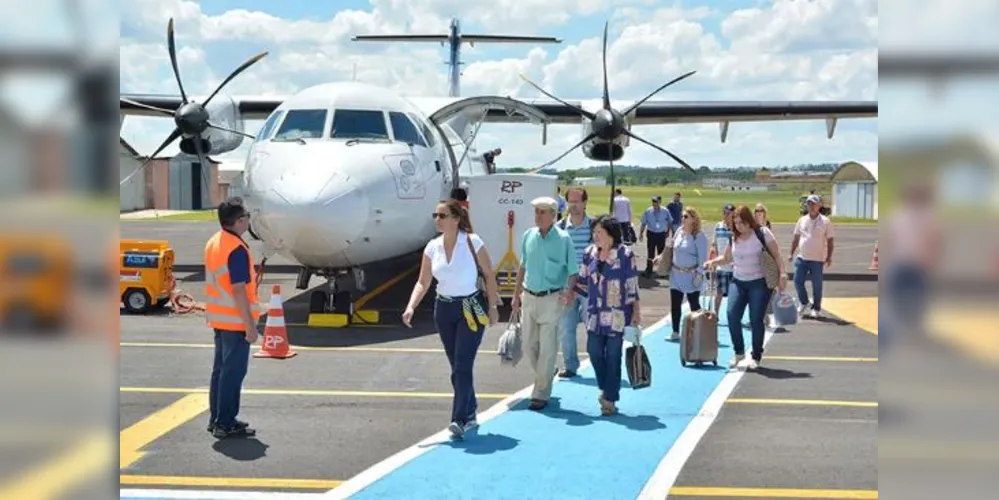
<point x="545" y="286"/>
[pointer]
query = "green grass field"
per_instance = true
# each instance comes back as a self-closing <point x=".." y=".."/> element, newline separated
<point x="783" y="206"/>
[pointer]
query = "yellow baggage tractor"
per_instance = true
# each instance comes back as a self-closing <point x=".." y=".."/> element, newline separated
<point x="146" y="277"/>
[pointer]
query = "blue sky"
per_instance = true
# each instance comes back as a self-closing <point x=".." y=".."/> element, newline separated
<point x="771" y="50"/>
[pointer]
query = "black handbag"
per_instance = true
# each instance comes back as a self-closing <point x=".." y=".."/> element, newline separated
<point x="638" y="366"/>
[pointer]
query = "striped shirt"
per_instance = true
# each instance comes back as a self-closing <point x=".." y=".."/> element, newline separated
<point x="582" y="235"/>
<point x="746" y="256"/>
<point x="723" y="238"/>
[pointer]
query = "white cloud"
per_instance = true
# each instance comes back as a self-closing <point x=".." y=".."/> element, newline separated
<point x="788" y="50"/>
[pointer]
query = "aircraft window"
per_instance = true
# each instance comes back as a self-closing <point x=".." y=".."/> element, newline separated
<point x="302" y="124"/>
<point x="359" y="124"/>
<point x="425" y="128"/>
<point x="268" y="128"/>
<point x="404" y="129"/>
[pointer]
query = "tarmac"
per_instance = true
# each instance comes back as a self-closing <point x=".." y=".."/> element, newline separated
<point x="361" y="410"/>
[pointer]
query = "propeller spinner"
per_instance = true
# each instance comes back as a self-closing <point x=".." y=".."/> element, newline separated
<point x="608" y="124"/>
<point x="191" y="118"/>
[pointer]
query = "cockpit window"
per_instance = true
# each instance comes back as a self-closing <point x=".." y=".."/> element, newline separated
<point x="268" y="128"/>
<point x="427" y="133"/>
<point x="302" y="124"/>
<point x="404" y="129"/>
<point x="359" y="124"/>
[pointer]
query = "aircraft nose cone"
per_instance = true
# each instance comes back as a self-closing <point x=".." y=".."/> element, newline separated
<point x="316" y="218"/>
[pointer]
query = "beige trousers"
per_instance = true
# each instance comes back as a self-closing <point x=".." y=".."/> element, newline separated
<point x="540" y="318"/>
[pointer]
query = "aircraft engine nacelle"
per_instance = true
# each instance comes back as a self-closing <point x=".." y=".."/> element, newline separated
<point x="223" y="112"/>
<point x="602" y="150"/>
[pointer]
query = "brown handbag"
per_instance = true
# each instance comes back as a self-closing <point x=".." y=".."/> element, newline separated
<point x="771" y="271"/>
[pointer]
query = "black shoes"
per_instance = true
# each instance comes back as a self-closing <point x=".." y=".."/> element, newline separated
<point x="240" y="429"/>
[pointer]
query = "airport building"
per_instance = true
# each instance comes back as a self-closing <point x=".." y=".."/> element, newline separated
<point x="855" y="190"/>
<point x="168" y="183"/>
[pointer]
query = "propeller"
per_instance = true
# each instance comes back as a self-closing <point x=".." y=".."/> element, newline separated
<point x="191" y="118"/>
<point x="608" y="124"/>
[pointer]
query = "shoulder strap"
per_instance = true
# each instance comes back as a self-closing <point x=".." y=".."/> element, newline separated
<point x="562" y="223"/>
<point x="475" y="256"/>
<point x="763" y="241"/>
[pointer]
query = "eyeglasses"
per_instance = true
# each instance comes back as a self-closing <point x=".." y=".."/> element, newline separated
<point x="438" y="215"/>
<point x="760" y="211"/>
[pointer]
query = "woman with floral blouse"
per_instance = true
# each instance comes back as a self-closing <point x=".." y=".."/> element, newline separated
<point x="609" y="272"/>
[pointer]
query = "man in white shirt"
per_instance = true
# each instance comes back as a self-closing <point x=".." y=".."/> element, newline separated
<point x="815" y="233"/>
<point x="622" y="212"/>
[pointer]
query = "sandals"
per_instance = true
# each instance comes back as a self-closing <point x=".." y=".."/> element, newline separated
<point x="606" y="407"/>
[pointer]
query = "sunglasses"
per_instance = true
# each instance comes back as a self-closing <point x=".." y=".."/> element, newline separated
<point x="685" y="216"/>
<point x="760" y="211"/>
<point x="438" y="215"/>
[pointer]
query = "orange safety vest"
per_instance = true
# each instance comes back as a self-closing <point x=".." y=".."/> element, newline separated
<point x="220" y="306"/>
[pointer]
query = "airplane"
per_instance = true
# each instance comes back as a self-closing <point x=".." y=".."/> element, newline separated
<point x="454" y="38"/>
<point x="346" y="174"/>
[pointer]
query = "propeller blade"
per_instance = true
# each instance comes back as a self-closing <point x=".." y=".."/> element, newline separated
<point x="249" y="62"/>
<point x="172" y="137"/>
<point x="589" y="137"/>
<point x="607" y="104"/>
<point x="244" y="134"/>
<point x="579" y="110"/>
<point x="204" y="168"/>
<point x="146" y="106"/>
<point x="613" y="188"/>
<point x="671" y="155"/>
<point x="172" y="47"/>
<point x="654" y="92"/>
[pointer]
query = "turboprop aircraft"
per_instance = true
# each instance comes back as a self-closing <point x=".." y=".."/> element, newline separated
<point x="347" y="174"/>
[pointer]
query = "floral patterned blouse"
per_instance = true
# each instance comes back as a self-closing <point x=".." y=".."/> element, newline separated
<point x="612" y="289"/>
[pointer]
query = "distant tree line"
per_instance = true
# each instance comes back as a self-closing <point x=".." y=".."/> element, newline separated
<point x="632" y="175"/>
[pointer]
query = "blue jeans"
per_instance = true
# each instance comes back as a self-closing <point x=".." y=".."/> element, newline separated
<point x="574" y="314"/>
<point x="756" y="296"/>
<point x="232" y="358"/>
<point x="805" y="269"/>
<point x="461" y="344"/>
<point x="605" y="355"/>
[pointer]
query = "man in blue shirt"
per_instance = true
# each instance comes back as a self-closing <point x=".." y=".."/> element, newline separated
<point x="655" y="226"/>
<point x="579" y="228"/>
<point x="546" y="284"/>
<point x="675" y="209"/>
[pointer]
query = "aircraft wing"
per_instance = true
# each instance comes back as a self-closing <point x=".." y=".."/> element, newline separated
<point x="250" y="107"/>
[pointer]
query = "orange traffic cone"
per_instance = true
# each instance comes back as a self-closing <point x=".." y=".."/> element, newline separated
<point x="874" y="260"/>
<point x="275" y="344"/>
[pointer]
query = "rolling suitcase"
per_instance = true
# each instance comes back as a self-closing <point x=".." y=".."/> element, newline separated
<point x="699" y="338"/>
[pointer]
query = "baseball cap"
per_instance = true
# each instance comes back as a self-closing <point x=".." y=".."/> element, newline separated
<point x="729" y="208"/>
<point x="813" y="199"/>
<point x="657" y="198"/>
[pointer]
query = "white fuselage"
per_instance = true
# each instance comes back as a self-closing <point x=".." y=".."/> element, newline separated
<point x="347" y="174"/>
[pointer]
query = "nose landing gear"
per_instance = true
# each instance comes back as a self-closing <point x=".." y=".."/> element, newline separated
<point x="337" y="298"/>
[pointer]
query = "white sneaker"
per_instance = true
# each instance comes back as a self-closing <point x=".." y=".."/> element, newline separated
<point x="811" y="314"/>
<point x="802" y="309"/>
<point x="735" y="361"/>
<point x="457" y="431"/>
<point x="752" y="364"/>
<point x="673" y="337"/>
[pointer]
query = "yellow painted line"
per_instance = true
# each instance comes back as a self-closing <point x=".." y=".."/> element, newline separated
<point x="822" y="358"/>
<point x="227" y="482"/>
<point x="380" y="289"/>
<point x="699" y="491"/>
<point x="292" y="392"/>
<point x="802" y="402"/>
<point x="54" y="479"/>
<point x="970" y="329"/>
<point x="399" y="350"/>
<point x="155" y="426"/>
<point x="861" y="311"/>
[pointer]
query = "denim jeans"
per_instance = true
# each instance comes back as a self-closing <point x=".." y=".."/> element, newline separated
<point x="756" y="296"/>
<point x="605" y="355"/>
<point x="574" y="314"/>
<point x="232" y="358"/>
<point x="461" y="344"/>
<point x="803" y="270"/>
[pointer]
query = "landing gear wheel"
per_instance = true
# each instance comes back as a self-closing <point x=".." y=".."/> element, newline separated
<point x="317" y="302"/>
<point x="136" y="300"/>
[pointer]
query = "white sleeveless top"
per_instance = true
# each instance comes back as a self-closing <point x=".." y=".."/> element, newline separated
<point x="459" y="277"/>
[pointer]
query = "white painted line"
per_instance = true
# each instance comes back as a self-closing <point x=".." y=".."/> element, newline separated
<point x="664" y="477"/>
<point x="383" y="468"/>
<point x="216" y="495"/>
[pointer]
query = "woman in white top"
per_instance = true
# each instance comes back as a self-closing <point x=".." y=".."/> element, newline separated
<point x="749" y="286"/>
<point x="460" y="310"/>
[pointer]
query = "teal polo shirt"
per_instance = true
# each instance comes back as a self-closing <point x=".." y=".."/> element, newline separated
<point x="549" y="260"/>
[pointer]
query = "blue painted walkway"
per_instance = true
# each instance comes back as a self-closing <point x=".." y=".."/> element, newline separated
<point x="569" y="450"/>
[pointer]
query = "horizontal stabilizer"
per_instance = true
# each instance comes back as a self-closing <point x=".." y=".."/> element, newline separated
<point x="509" y="39"/>
<point x="400" y="38"/>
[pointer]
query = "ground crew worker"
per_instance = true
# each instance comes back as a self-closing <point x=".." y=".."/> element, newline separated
<point x="232" y="310"/>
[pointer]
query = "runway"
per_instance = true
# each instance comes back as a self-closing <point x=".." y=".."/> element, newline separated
<point x="331" y="419"/>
